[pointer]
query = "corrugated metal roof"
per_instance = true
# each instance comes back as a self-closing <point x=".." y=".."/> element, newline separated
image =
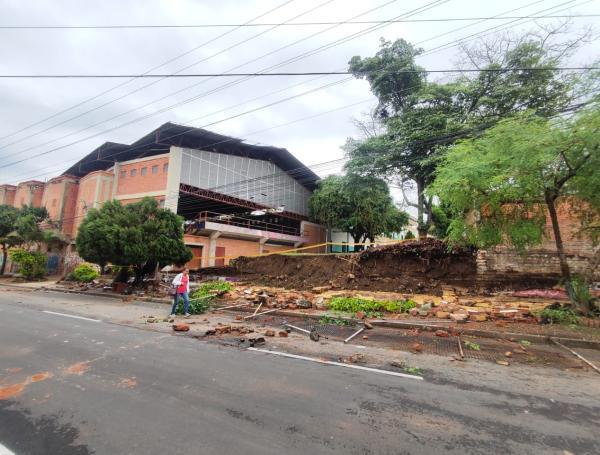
<point x="170" y="134"/>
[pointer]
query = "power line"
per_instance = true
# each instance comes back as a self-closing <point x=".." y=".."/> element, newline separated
<point x="291" y="24"/>
<point x="213" y="91"/>
<point x="229" y="84"/>
<point x="166" y="62"/>
<point x="170" y="95"/>
<point x="305" y="73"/>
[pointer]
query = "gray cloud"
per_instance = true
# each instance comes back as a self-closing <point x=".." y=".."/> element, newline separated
<point x="134" y="51"/>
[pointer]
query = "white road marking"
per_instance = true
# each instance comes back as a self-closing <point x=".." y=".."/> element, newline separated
<point x="337" y="364"/>
<point x="71" y="316"/>
<point x="5" y="451"/>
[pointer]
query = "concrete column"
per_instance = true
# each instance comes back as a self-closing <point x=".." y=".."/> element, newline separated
<point x="173" y="179"/>
<point x="261" y="244"/>
<point x="212" y="247"/>
<point x="117" y="171"/>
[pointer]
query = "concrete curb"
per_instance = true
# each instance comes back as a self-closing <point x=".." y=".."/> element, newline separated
<point x="93" y="294"/>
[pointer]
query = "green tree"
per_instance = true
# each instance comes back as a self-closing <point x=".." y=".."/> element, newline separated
<point x="8" y="219"/>
<point x="422" y="119"/>
<point x="20" y="227"/>
<point x="359" y="205"/>
<point x="140" y="235"/>
<point x="500" y="186"/>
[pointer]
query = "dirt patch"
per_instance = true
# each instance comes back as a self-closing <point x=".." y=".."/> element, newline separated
<point x="413" y="266"/>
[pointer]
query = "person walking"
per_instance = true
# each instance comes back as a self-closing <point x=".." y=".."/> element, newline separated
<point x="181" y="283"/>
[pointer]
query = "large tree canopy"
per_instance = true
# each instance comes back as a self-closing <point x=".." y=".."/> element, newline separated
<point x="500" y="186"/>
<point x="359" y="205"/>
<point x="422" y="119"/>
<point x="139" y="235"/>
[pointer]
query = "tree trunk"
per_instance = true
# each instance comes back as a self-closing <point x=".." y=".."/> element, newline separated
<point x="562" y="258"/>
<point x="357" y="239"/>
<point x="4" y="258"/>
<point x="421" y="225"/>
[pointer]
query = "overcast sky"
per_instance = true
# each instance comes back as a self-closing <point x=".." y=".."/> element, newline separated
<point x="134" y="51"/>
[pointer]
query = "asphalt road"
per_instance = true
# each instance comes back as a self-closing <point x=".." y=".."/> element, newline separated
<point x="74" y="386"/>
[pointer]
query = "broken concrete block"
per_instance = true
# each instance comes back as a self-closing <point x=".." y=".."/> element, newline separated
<point x="319" y="303"/>
<point x="502" y="362"/>
<point x="304" y="304"/>
<point x="321" y="289"/>
<point x="283" y="334"/>
<point x="442" y="315"/>
<point x="458" y="317"/>
<point x="270" y="333"/>
<point x="478" y="317"/>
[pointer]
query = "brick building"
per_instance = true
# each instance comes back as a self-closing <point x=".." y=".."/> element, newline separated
<point x="236" y="198"/>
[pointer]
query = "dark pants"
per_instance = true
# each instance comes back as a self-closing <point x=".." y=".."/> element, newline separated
<point x="186" y="302"/>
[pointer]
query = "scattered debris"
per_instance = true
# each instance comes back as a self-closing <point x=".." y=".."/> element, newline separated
<point x="283" y="334"/>
<point x="417" y="347"/>
<point x="442" y="333"/>
<point x="354" y="334"/>
<point x="502" y="362"/>
<point x="508" y="354"/>
<point x="314" y="335"/>
<point x="270" y="333"/>
<point x="181" y="327"/>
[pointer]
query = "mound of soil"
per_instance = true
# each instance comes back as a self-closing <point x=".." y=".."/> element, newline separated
<point x="413" y="266"/>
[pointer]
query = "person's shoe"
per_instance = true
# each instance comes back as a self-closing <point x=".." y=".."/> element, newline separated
<point x="186" y="315"/>
<point x="172" y="315"/>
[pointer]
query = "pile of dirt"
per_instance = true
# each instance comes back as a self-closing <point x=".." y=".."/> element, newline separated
<point x="412" y="266"/>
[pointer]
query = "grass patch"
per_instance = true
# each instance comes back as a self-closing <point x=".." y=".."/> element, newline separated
<point x="370" y="307"/>
<point x="472" y="346"/>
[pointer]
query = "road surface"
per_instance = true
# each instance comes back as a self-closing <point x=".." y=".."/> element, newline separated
<point x="78" y="386"/>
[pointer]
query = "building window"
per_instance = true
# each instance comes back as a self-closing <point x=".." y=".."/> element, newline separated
<point x="161" y="202"/>
<point x="143" y="171"/>
<point x="133" y="172"/>
<point x="123" y="174"/>
<point x="155" y="169"/>
<point x="166" y="167"/>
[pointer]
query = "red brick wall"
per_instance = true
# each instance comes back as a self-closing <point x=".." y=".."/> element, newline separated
<point x="7" y="194"/>
<point x="86" y="195"/>
<point x="29" y="193"/>
<point x="142" y="183"/>
<point x="543" y="259"/>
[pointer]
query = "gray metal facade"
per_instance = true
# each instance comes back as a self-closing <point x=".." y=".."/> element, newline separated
<point x="245" y="178"/>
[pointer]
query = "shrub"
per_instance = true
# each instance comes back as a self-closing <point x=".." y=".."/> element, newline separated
<point x="84" y="273"/>
<point x="580" y="295"/>
<point x="31" y="264"/>
<point x="354" y="304"/>
<point x="558" y="316"/>
<point x="201" y="298"/>
<point x="213" y="287"/>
